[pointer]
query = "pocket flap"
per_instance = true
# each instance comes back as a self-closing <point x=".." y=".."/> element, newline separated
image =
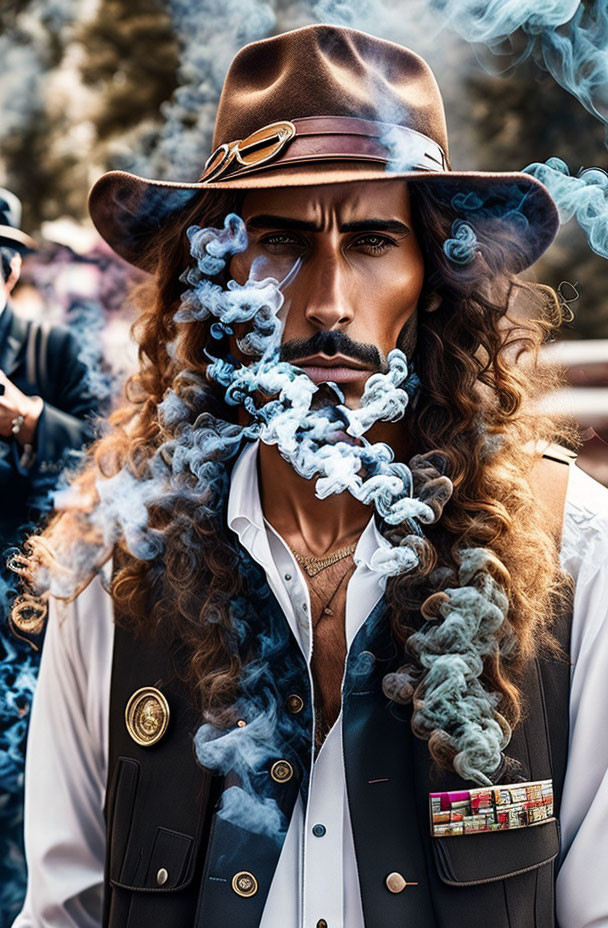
<point x="168" y="867"/>
<point x="169" y="860"/>
<point x="466" y="860"/>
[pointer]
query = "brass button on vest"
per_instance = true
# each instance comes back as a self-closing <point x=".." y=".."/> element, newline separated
<point x="147" y="716"/>
<point x="244" y="884"/>
<point x="281" y="771"/>
<point x="162" y="876"/>
<point x="396" y="883"/>
<point x="295" y="703"/>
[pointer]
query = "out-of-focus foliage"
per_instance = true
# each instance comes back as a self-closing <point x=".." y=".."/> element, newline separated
<point x="131" y="61"/>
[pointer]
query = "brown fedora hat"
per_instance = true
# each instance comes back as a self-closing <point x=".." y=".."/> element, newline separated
<point x="324" y="105"/>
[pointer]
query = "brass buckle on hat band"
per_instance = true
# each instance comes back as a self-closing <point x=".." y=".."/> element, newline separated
<point x="326" y="138"/>
<point x="258" y="148"/>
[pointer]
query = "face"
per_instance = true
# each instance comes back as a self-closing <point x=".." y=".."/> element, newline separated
<point x="360" y="274"/>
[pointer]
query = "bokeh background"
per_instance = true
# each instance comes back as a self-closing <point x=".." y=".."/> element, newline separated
<point x="88" y="86"/>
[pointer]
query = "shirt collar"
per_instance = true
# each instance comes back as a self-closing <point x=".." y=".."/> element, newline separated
<point x="245" y="516"/>
<point x="244" y="504"/>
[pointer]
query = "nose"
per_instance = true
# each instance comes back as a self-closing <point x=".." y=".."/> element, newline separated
<point x="327" y="302"/>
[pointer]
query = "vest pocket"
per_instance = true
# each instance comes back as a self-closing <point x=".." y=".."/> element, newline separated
<point x="169" y="860"/>
<point x="468" y="860"/>
<point x="142" y="855"/>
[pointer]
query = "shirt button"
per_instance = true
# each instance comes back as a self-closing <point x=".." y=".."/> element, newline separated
<point x="295" y="703"/>
<point x="288" y="576"/>
<point x="318" y="830"/>
<point x="304" y="607"/>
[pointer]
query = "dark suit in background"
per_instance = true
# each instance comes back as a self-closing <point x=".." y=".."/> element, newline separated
<point x="43" y="362"/>
<point x="61" y="379"/>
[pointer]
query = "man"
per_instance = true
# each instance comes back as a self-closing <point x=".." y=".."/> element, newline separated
<point x="46" y="410"/>
<point x="46" y="406"/>
<point x="334" y="573"/>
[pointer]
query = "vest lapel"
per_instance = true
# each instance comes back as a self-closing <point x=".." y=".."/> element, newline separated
<point x="242" y="857"/>
<point x="379" y="776"/>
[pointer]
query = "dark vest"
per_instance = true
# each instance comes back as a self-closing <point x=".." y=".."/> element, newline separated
<point x="162" y="808"/>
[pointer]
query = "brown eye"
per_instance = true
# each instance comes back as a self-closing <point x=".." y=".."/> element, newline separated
<point x="280" y="240"/>
<point x="374" y="242"/>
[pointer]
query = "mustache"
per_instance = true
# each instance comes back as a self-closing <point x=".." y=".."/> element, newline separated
<point x="331" y="343"/>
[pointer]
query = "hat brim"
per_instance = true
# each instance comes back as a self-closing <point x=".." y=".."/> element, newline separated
<point x="129" y="211"/>
<point x="16" y="239"/>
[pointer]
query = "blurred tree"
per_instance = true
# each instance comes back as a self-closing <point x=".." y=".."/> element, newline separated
<point x="73" y="89"/>
<point x="9" y="11"/>
<point x="131" y="59"/>
<point x="32" y="42"/>
<point x="32" y="164"/>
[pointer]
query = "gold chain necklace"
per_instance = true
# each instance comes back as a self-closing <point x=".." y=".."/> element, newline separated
<point x="314" y="565"/>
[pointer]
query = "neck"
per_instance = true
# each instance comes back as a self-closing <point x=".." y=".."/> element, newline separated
<point x="308" y="524"/>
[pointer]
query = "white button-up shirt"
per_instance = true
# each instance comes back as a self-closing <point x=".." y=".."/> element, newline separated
<point x="316" y="877"/>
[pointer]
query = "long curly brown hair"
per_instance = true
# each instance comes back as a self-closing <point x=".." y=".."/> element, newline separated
<point x="479" y="331"/>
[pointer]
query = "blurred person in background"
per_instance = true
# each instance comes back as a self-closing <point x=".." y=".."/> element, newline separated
<point x="46" y="406"/>
<point x="46" y="411"/>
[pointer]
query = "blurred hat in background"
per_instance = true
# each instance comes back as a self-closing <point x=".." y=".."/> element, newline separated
<point x="11" y="235"/>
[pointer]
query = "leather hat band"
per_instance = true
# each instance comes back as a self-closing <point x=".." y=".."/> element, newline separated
<point x="322" y="138"/>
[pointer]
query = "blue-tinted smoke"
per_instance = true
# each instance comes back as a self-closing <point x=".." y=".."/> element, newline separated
<point x="328" y="444"/>
<point x="462" y="247"/>
<point x="576" y="56"/>
<point x="489" y="22"/>
<point x="18" y="672"/>
<point x="453" y="698"/>
<point x="243" y="752"/>
<point x="583" y="196"/>
<point x="566" y="37"/>
<point x="310" y="439"/>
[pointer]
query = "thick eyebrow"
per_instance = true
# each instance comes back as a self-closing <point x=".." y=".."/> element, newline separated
<point x="376" y="225"/>
<point x="268" y="221"/>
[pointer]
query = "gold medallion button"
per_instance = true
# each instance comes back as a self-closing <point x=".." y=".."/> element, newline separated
<point x="281" y="771"/>
<point x="395" y="883"/>
<point x="244" y="884"/>
<point x="295" y="703"/>
<point x="147" y="716"/>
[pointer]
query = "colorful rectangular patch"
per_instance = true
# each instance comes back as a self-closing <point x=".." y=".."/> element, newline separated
<point x="495" y="808"/>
